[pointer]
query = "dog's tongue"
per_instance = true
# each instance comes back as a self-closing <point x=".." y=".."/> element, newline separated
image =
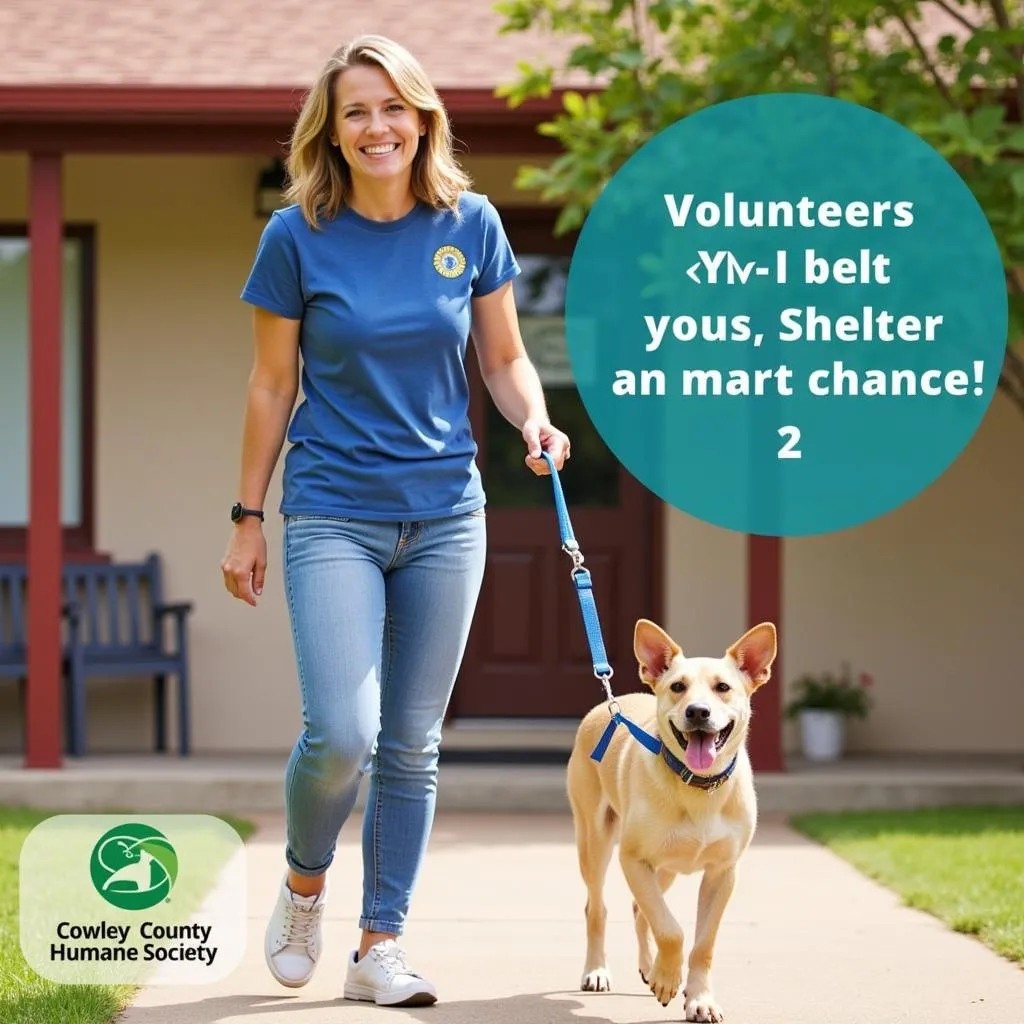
<point x="700" y="751"/>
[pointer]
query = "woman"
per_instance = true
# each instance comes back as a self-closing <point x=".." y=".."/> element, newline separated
<point x="376" y="273"/>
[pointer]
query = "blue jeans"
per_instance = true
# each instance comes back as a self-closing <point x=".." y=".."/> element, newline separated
<point x="380" y="615"/>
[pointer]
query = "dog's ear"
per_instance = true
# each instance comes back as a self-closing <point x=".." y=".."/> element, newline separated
<point x="754" y="653"/>
<point x="654" y="650"/>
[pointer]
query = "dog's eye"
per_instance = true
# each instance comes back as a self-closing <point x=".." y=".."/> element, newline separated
<point x="722" y="687"/>
<point x="677" y="687"/>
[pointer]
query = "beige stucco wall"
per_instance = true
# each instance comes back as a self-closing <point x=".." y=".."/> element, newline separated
<point x="928" y="599"/>
<point x="175" y="240"/>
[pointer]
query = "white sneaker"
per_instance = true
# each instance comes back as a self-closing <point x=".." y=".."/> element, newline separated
<point x="293" y="939"/>
<point x="384" y="977"/>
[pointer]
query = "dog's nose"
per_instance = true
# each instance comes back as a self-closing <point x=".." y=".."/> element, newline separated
<point x="698" y="712"/>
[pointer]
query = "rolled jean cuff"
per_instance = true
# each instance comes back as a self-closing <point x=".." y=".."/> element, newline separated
<point x="378" y="924"/>
<point x="301" y="869"/>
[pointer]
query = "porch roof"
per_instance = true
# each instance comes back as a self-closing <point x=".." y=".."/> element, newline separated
<point x="246" y="61"/>
<point x="249" y="43"/>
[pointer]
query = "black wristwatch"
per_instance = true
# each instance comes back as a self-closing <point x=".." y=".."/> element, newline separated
<point x="239" y="511"/>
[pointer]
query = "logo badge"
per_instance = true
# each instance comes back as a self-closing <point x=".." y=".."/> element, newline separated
<point x="133" y="867"/>
<point x="449" y="261"/>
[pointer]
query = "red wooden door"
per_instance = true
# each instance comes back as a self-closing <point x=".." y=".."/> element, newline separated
<point x="528" y="654"/>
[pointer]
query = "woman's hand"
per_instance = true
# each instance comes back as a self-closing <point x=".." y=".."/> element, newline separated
<point x="542" y="436"/>
<point x="245" y="564"/>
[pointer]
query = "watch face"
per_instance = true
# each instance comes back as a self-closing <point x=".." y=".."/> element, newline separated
<point x="236" y="512"/>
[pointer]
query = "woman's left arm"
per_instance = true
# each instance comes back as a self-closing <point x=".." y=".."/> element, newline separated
<point x="512" y="380"/>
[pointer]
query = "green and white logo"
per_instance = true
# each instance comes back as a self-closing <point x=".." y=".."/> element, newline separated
<point x="115" y="899"/>
<point x="133" y="866"/>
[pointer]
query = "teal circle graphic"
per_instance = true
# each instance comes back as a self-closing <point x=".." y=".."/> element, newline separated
<point x="786" y="315"/>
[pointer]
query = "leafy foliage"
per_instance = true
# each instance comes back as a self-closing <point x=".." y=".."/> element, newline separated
<point x="828" y="692"/>
<point x="950" y="71"/>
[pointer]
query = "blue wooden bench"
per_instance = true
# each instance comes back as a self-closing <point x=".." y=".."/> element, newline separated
<point x="117" y="626"/>
<point x="13" y="639"/>
<point x="119" y="623"/>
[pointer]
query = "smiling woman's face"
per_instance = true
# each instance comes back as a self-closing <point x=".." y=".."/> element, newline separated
<point x="377" y="131"/>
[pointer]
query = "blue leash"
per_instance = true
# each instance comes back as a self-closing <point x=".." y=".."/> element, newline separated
<point x="588" y="606"/>
<point x="602" y="669"/>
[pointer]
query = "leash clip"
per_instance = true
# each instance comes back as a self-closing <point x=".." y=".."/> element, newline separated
<point x="605" y="679"/>
<point x="580" y="577"/>
<point x="572" y="549"/>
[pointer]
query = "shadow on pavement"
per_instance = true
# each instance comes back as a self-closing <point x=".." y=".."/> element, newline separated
<point x="535" y="1008"/>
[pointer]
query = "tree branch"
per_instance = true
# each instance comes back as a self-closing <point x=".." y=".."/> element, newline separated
<point x="954" y="13"/>
<point x="1001" y="16"/>
<point x="1003" y="21"/>
<point x="639" y="12"/>
<point x="1011" y="374"/>
<point x="1011" y="378"/>
<point x="923" y="54"/>
<point x="830" y="55"/>
<point x="638" y="22"/>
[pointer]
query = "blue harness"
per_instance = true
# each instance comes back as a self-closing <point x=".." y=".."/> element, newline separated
<point x="602" y="669"/>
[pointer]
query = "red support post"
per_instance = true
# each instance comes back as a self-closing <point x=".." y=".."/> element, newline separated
<point x="43" y="733"/>
<point x="764" y="604"/>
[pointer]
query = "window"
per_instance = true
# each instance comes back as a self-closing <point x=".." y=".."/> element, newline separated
<point x="76" y="387"/>
<point x="591" y="477"/>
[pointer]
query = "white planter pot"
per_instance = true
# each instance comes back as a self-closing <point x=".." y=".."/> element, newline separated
<point x="823" y="734"/>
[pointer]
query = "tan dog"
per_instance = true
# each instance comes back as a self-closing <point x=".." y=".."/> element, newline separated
<point x="675" y="812"/>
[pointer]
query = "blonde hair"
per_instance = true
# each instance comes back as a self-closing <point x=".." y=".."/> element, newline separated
<point x="321" y="182"/>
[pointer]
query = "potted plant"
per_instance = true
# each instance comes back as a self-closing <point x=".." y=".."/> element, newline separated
<point x="822" y="703"/>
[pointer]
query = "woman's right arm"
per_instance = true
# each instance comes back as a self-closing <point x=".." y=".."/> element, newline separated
<point x="270" y="398"/>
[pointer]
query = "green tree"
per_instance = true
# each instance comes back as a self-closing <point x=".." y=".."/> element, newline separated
<point x="952" y="72"/>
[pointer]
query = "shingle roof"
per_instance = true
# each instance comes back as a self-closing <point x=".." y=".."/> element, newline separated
<point x="246" y="43"/>
<point x="267" y="43"/>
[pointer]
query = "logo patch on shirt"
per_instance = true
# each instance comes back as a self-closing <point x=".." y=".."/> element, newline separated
<point x="449" y="261"/>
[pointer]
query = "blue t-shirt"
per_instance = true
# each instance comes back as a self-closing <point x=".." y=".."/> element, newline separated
<point x="383" y="430"/>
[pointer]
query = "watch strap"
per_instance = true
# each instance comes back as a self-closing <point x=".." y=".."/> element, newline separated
<point x="239" y="512"/>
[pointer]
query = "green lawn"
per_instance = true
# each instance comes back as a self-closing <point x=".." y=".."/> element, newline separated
<point x="25" y="997"/>
<point x="964" y="865"/>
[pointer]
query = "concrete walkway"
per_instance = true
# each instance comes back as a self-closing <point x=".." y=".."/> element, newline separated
<point x="498" y="925"/>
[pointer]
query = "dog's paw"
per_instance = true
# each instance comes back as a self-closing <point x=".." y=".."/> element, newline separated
<point x="644" y="958"/>
<point x="597" y="980"/>
<point x="664" y="979"/>
<point x="644" y="965"/>
<point x="702" y="1007"/>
